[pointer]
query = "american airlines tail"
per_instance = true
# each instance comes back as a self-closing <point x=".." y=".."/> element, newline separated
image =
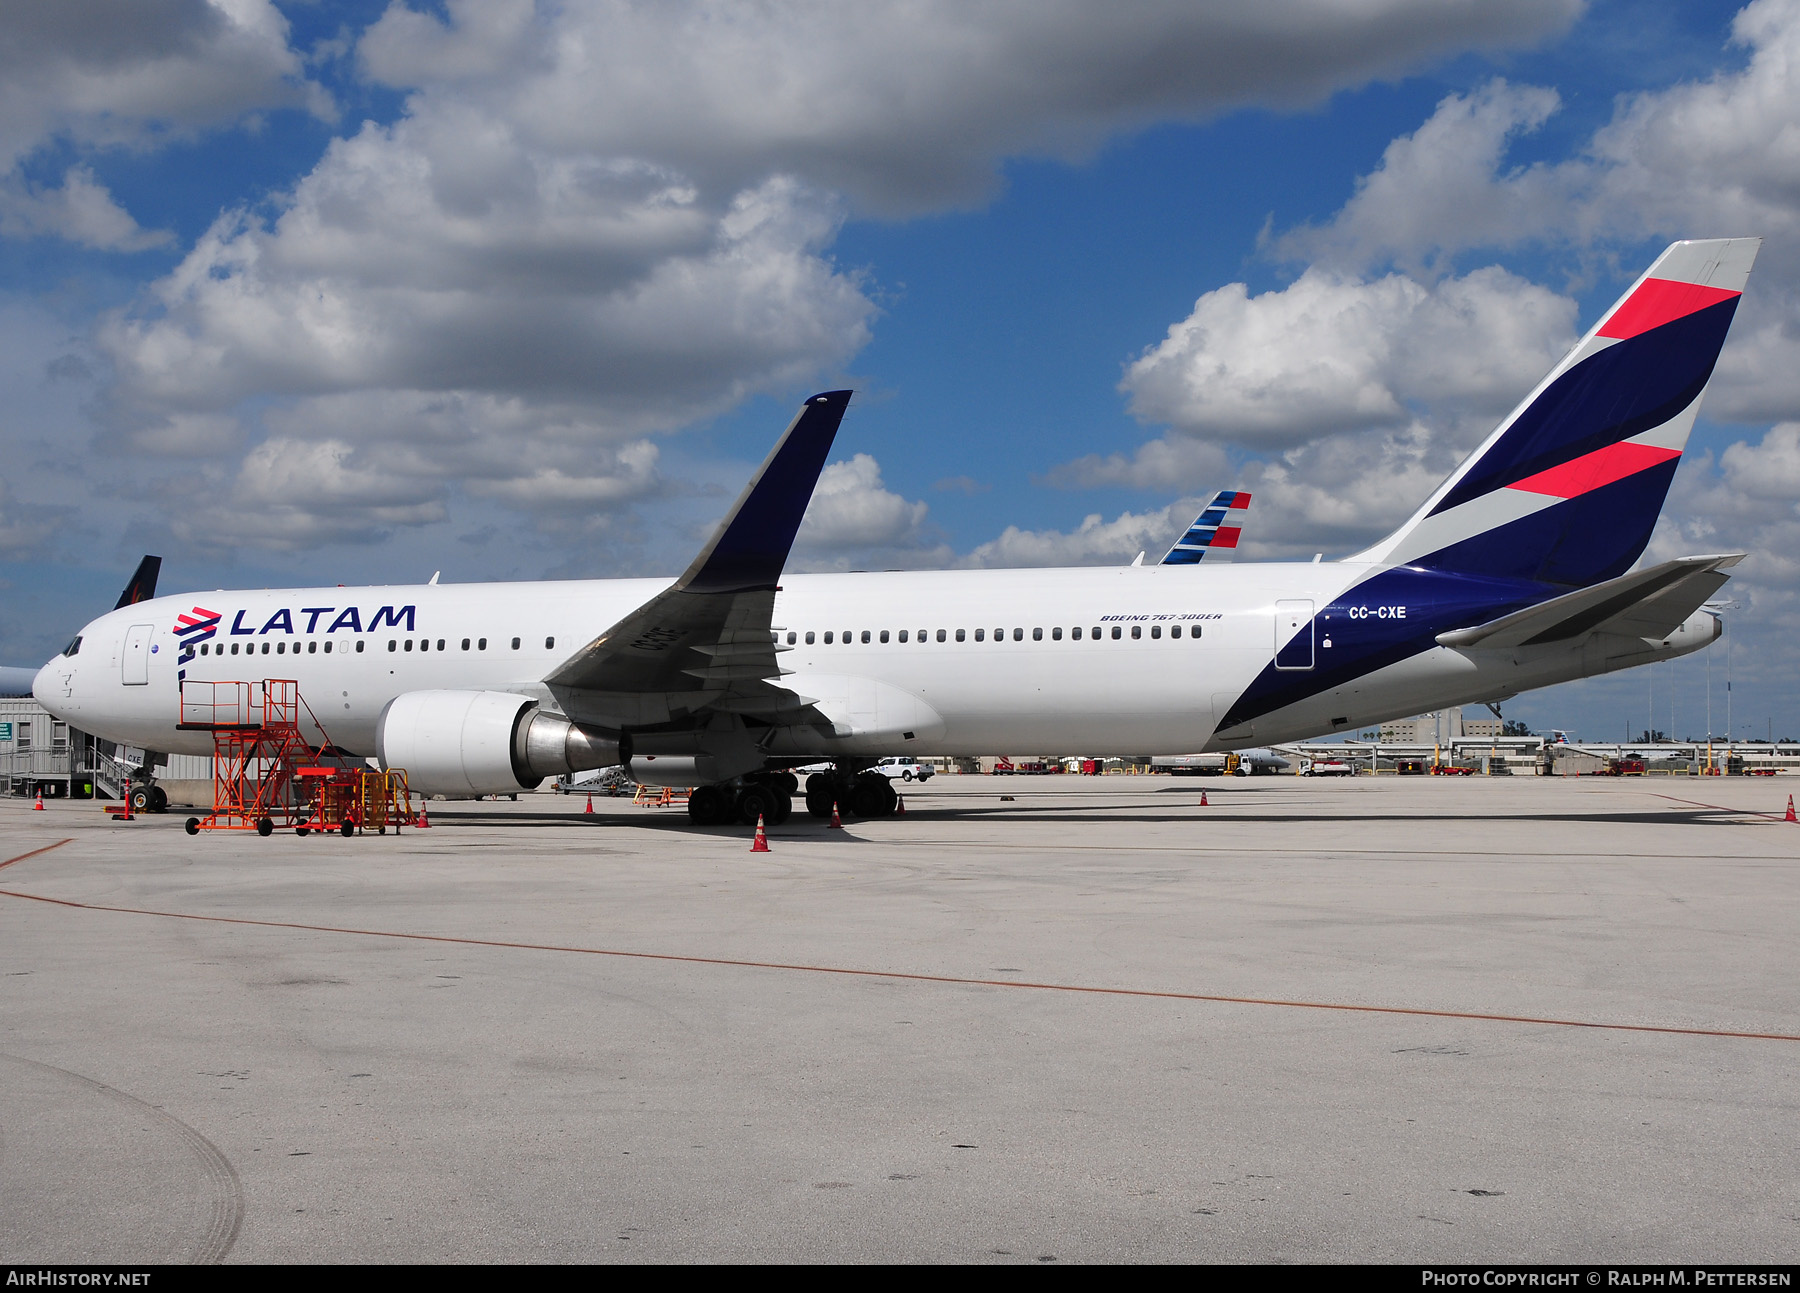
<point x="1567" y="489"/>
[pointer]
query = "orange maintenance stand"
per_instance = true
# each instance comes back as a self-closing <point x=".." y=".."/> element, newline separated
<point x="266" y="774"/>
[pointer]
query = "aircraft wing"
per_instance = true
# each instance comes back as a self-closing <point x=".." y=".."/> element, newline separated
<point x="1646" y="604"/>
<point x="1215" y="533"/>
<point x="707" y="641"/>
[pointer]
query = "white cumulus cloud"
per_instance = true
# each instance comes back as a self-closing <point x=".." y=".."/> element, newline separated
<point x="1335" y="353"/>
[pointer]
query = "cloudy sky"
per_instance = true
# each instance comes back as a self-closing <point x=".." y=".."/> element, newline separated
<point x="322" y="291"/>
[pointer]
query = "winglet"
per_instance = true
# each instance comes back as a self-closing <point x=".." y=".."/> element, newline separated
<point x="142" y="586"/>
<point x="751" y="545"/>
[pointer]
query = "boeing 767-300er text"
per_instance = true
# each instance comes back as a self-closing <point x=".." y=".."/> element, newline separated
<point x="1516" y="573"/>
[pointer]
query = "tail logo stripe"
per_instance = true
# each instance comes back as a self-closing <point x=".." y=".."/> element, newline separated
<point x="1593" y="470"/>
<point x="1658" y="301"/>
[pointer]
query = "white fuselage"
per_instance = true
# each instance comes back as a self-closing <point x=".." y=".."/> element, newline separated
<point x="1027" y="683"/>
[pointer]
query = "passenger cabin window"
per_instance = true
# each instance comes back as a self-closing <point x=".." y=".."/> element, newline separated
<point x="980" y="635"/>
<point x="1117" y="633"/>
<point x="1174" y="630"/>
<point x="1037" y="635"/>
<point x="959" y="635"/>
<point x="940" y="636"/>
<point x="884" y="636"/>
<point x="440" y="644"/>
<point x="827" y="637"/>
<point x="515" y="645"/>
<point x="865" y="633"/>
<point x="359" y="646"/>
<point x="393" y="645"/>
<point x="1075" y="633"/>
<point x="1056" y="634"/>
<point x="327" y="646"/>
<point x="809" y="637"/>
<point x="1156" y="630"/>
<point x="424" y="644"/>
<point x="792" y="638"/>
<point x="902" y="636"/>
<point x="409" y="644"/>
<point x="265" y="649"/>
<point x="549" y="644"/>
<point x="1137" y="630"/>
<point x="465" y="644"/>
<point x="480" y="644"/>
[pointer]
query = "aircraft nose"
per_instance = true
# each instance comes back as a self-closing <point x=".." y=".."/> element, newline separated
<point x="47" y="687"/>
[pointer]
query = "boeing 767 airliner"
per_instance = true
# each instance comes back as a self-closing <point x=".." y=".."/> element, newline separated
<point x="1516" y="573"/>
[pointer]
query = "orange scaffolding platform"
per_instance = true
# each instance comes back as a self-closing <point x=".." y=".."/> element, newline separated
<point x="267" y="775"/>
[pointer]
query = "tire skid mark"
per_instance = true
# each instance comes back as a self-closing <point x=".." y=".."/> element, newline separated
<point x="1418" y="1012"/>
<point x="226" y="1192"/>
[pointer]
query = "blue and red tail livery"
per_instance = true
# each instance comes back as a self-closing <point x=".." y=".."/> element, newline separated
<point x="1215" y="533"/>
<point x="1567" y="489"/>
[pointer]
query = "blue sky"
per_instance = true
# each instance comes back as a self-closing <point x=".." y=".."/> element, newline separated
<point x="344" y="293"/>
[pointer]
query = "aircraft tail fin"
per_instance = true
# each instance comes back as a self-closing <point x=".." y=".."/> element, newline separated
<point x="142" y="585"/>
<point x="1216" y="532"/>
<point x="1567" y="489"/>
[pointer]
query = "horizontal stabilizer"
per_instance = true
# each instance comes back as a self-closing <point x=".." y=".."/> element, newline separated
<point x="1646" y="604"/>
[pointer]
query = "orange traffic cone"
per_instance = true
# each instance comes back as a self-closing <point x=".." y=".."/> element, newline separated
<point x="1203" y="799"/>
<point x="1790" y="815"/>
<point x="38" y="807"/>
<point x="590" y="807"/>
<point x="837" y="823"/>
<point x="899" y="805"/>
<point x="424" y="822"/>
<point x="761" y="843"/>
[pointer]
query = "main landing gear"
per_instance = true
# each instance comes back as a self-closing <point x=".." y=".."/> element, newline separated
<point x="865" y="795"/>
<point x="768" y="796"/>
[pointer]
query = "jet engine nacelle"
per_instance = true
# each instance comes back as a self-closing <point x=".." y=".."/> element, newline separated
<point x="483" y="742"/>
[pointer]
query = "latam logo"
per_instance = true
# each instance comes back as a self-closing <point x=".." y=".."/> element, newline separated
<point x="196" y="626"/>
<point x="349" y="619"/>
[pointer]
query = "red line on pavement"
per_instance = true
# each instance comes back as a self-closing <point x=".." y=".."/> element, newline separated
<point x="903" y="976"/>
<point x="35" y="852"/>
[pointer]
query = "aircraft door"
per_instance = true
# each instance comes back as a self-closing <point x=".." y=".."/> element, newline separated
<point x="1294" y="635"/>
<point x="135" y="659"/>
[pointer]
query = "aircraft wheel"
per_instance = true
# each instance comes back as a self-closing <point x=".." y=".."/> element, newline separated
<point x="193" y="826"/>
<point x="786" y="781"/>
<point x="159" y="800"/>
<point x="890" y="798"/>
<point x="818" y="803"/>
<point x="141" y="799"/>
<point x="265" y="827"/>
<point x="784" y="807"/>
<point x="708" y="806"/>
<point x="754" y="802"/>
<point x="866" y="799"/>
<point x="820" y="783"/>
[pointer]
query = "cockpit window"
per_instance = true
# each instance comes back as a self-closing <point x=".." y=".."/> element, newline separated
<point x="74" y="647"/>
